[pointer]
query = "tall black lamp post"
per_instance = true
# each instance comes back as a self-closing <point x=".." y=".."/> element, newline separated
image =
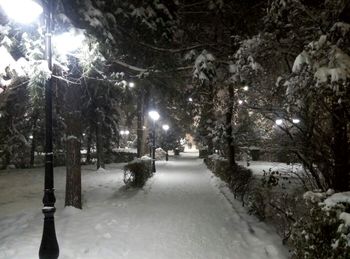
<point x="49" y="246"/>
<point x="25" y="12"/>
<point x="154" y="116"/>
<point x="166" y="128"/>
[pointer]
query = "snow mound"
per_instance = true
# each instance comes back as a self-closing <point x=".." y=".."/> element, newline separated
<point x="70" y="211"/>
<point x="101" y="170"/>
<point x="340" y="197"/>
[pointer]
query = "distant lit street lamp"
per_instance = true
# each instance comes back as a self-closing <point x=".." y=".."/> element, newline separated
<point x="296" y="121"/>
<point x="166" y="128"/>
<point x="154" y="116"/>
<point x="279" y="122"/>
<point x="124" y="133"/>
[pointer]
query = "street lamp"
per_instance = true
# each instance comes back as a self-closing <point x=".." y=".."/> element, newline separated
<point x="166" y="128"/>
<point x="154" y="116"/>
<point x="279" y="122"/>
<point x="22" y="11"/>
<point x="26" y="11"/>
<point x="124" y="133"/>
<point x="296" y="121"/>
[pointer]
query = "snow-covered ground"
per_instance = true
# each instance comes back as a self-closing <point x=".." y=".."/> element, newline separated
<point x="258" y="167"/>
<point x="182" y="212"/>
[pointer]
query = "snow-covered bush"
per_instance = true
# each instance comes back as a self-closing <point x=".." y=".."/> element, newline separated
<point x="219" y="166"/>
<point x="323" y="232"/>
<point x="137" y="172"/>
<point x="238" y="178"/>
<point x="160" y="154"/>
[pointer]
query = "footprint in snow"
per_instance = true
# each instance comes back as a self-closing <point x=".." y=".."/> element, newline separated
<point x="107" y="236"/>
<point x="271" y="250"/>
<point x="98" y="227"/>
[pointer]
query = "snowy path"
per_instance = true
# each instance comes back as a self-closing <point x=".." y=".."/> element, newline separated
<point x="180" y="213"/>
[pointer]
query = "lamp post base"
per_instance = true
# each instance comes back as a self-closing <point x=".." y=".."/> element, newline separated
<point x="153" y="166"/>
<point x="49" y="245"/>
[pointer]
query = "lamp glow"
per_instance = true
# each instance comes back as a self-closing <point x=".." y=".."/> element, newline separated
<point x="68" y="42"/>
<point x="240" y="102"/>
<point x="190" y="99"/>
<point x="295" y="121"/>
<point x="279" y="122"/>
<point x="246" y="88"/>
<point x="166" y="127"/>
<point x="154" y="115"/>
<point x="131" y="84"/>
<point x="22" y="11"/>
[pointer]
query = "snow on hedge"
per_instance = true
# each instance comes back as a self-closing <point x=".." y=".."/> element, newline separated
<point x="337" y="198"/>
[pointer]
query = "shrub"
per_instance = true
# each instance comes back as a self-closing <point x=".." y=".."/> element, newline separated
<point x="238" y="178"/>
<point x="240" y="182"/>
<point x="323" y="231"/>
<point x="137" y="172"/>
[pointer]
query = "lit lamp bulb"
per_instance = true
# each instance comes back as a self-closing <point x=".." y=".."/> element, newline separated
<point x="165" y="127"/>
<point x="68" y="42"/>
<point x="279" y="122"/>
<point x="154" y="115"/>
<point x="295" y="121"/>
<point x="22" y="11"/>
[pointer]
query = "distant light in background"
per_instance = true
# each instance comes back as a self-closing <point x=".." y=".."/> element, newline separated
<point x="279" y="122"/>
<point x="250" y="113"/>
<point x="246" y="88"/>
<point x="131" y="84"/>
<point x="165" y="127"/>
<point x="22" y="11"/>
<point x="240" y="102"/>
<point x="295" y="121"/>
<point x="124" y="132"/>
<point x="30" y="137"/>
<point x="68" y="42"/>
<point x="154" y="115"/>
<point x="190" y="99"/>
<point x="144" y="127"/>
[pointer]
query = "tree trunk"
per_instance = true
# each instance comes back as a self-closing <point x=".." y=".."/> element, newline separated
<point x="73" y="143"/>
<point x="146" y="103"/>
<point x="229" y="137"/>
<point x="210" y="110"/>
<point x="140" y="114"/>
<point x="340" y="148"/>
<point x="88" y="147"/>
<point x="99" y="141"/>
<point x="33" y="144"/>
